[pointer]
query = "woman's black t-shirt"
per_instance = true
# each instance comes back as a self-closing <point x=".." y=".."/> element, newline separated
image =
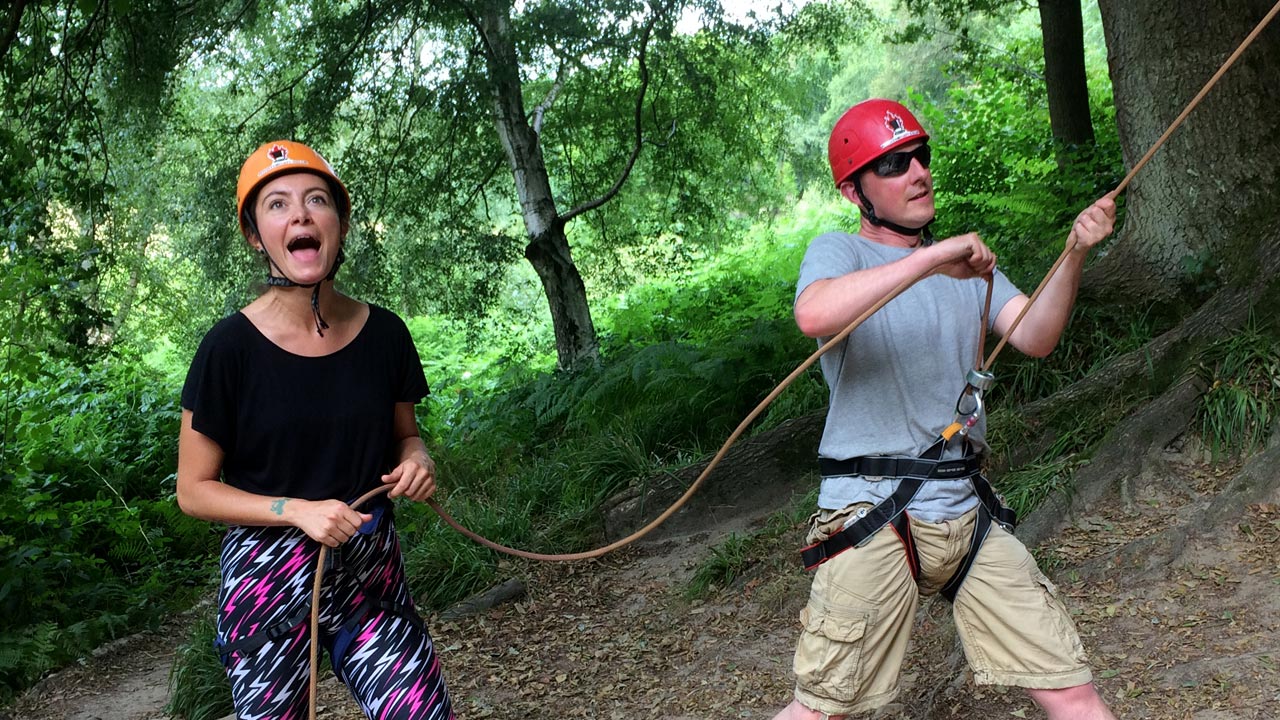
<point x="315" y="428"/>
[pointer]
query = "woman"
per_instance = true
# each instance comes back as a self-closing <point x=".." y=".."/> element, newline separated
<point x="294" y="406"/>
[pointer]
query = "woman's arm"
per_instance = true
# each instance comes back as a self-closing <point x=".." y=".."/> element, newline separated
<point x="415" y="476"/>
<point x="202" y="494"/>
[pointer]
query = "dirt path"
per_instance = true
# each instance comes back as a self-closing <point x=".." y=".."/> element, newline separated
<point x="126" y="680"/>
<point x="1179" y="625"/>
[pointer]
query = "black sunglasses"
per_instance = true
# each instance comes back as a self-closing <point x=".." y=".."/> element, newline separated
<point x="894" y="164"/>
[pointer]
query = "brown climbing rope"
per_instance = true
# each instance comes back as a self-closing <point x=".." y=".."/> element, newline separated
<point x="800" y="369"/>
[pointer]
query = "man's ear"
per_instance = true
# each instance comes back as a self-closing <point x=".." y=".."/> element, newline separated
<point x="850" y="194"/>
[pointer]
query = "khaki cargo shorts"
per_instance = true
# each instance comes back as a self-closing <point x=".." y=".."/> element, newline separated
<point x="863" y="602"/>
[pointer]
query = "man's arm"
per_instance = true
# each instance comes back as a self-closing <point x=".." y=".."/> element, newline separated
<point x="828" y="306"/>
<point x="1040" y="330"/>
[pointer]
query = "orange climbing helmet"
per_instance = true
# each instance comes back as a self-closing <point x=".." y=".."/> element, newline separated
<point x="868" y="130"/>
<point x="285" y="156"/>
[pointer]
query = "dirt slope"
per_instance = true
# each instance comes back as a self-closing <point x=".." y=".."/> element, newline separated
<point x="1182" y="623"/>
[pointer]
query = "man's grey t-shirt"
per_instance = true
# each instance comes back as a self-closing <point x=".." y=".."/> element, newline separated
<point x="895" y="380"/>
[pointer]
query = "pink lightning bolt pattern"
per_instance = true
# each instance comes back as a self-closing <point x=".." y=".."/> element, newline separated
<point x="368" y="624"/>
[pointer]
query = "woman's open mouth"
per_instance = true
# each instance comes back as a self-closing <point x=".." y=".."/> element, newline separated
<point x="304" y="247"/>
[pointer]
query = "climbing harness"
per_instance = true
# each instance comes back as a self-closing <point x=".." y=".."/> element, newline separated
<point x="911" y="473"/>
<point x="333" y="563"/>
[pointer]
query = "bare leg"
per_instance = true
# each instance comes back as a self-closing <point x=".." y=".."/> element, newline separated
<point x="796" y="711"/>
<point x="1081" y="702"/>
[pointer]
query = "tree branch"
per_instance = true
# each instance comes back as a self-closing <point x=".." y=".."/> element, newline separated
<point x="545" y="105"/>
<point x="369" y="20"/>
<point x="639" y="132"/>
<point x="11" y="32"/>
<point x="473" y="19"/>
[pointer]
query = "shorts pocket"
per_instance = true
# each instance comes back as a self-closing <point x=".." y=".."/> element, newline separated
<point x="829" y="654"/>
<point x="1059" y="622"/>
<point x="1043" y="581"/>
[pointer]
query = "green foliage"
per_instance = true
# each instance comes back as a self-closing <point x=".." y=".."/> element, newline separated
<point x="198" y="687"/>
<point x="733" y="557"/>
<point x="726" y="563"/>
<point x="1239" y="410"/>
<point x="93" y="543"/>
<point x="1024" y="487"/>
<point x="997" y="168"/>
<point x="1094" y="337"/>
<point x="526" y="457"/>
<point x="534" y="461"/>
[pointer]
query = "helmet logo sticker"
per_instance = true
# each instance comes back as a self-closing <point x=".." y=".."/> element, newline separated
<point x="278" y="154"/>
<point x="897" y="129"/>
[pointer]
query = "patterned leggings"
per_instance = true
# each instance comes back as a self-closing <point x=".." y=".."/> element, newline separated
<point x="379" y="646"/>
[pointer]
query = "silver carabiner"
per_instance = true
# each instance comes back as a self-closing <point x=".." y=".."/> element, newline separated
<point x="961" y="411"/>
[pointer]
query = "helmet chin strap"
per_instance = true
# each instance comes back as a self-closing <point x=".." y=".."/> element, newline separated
<point x="869" y="214"/>
<point x="283" y="280"/>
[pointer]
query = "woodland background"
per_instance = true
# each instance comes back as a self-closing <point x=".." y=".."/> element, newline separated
<point x="591" y="214"/>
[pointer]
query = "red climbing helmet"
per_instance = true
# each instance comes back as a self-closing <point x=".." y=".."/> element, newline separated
<point x="868" y="130"/>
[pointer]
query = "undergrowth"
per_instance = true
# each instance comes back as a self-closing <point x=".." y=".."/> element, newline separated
<point x="93" y="546"/>
<point x="1238" y="412"/>
<point x="735" y="555"/>
<point x="198" y="681"/>
<point x="531" y="463"/>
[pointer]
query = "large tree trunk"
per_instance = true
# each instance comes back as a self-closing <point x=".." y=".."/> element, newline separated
<point x="576" y="344"/>
<point x="548" y="248"/>
<point x="1197" y="210"/>
<point x="1062" y="30"/>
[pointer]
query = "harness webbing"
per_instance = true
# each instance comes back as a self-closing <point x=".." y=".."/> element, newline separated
<point x="980" y="531"/>
<point x="866" y="525"/>
<point x="921" y="468"/>
<point x="912" y="474"/>
<point x="275" y="631"/>
<point x="915" y="472"/>
<point x="901" y="526"/>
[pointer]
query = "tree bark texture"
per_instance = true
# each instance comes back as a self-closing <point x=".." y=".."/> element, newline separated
<point x="1062" y="29"/>
<point x="1205" y="200"/>
<point x="548" y="247"/>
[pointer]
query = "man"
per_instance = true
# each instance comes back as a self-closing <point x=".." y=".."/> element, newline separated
<point x="894" y="385"/>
